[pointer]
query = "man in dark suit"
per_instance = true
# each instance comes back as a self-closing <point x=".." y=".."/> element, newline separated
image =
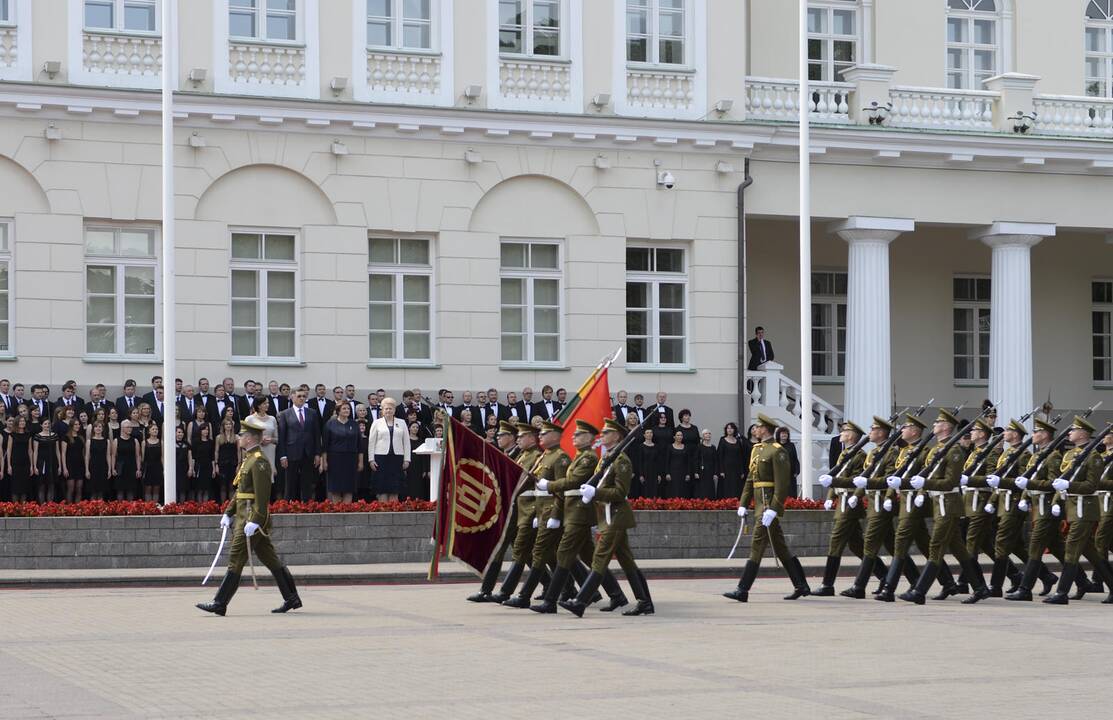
<point x="189" y="404"/>
<point x="373" y="411"/>
<point x="69" y="397"/>
<point x="466" y="404"/>
<point x="245" y="404"/>
<point x="6" y="397"/>
<point x="761" y="350"/>
<point x="159" y="407"/>
<point x="39" y="399"/>
<point x="494" y="407"/>
<point x="230" y="394"/>
<point x="218" y="403"/>
<point x="621" y="409"/>
<point x="322" y="405"/>
<point x="446" y="402"/>
<point x="128" y="400"/>
<point x="279" y="402"/>
<point x="663" y="409"/>
<point x="547" y="406"/>
<point x="149" y="397"/>
<point x="204" y="399"/>
<point x="639" y="407"/>
<point x="298" y="450"/>
<point x="97" y="400"/>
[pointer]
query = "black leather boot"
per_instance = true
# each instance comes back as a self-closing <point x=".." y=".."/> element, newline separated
<point x="548" y="604"/>
<point x="487" y="587"/>
<point x="579" y="574"/>
<point x="1059" y="597"/>
<point x="891" y="580"/>
<point x="857" y="591"/>
<point x="947" y="581"/>
<point x="997" y="578"/>
<point x="918" y="593"/>
<point x="641" y="593"/>
<point x="911" y="572"/>
<point x="1014" y="575"/>
<point x="521" y="600"/>
<point x="290" y="599"/>
<point x="1104" y="570"/>
<point x="827" y="589"/>
<point x="224" y="593"/>
<point x="1031" y="570"/>
<point x="588" y="588"/>
<point x="977" y="582"/>
<point x="1048" y="578"/>
<point x="880" y="570"/>
<point x="799" y="580"/>
<point x="614" y="592"/>
<point x="513" y="575"/>
<point x="1084" y="585"/>
<point x="742" y="592"/>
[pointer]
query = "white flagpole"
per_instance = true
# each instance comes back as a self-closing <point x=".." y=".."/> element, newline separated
<point x="169" y="79"/>
<point x="805" y="403"/>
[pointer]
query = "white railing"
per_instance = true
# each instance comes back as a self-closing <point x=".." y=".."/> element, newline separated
<point x="535" y="80"/>
<point x="657" y="88"/>
<point x="1066" y="115"/>
<point x="402" y="73"/>
<point x="9" y="47"/>
<point x="772" y="99"/>
<point x="263" y="64"/>
<point x="944" y="109"/>
<point x="122" y="55"/>
<point x="780" y="395"/>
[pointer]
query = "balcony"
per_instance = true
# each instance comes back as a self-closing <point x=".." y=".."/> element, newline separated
<point x="771" y="99"/>
<point x="403" y="77"/>
<point x="120" y="60"/>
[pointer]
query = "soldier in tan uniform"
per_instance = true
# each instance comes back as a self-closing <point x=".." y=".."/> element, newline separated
<point x="870" y="489"/>
<point x="975" y="493"/>
<point x="505" y="437"/>
<point x="248" y="516"/>
<point x="767" y="486"/>
<point x="1103" y="538"/>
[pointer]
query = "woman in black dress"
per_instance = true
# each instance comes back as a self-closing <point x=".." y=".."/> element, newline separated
<point x="634" y="452"/>
<point x="732" y="459"/>
<point x="227" y="457"/>
<point x="73" y="462"/>
<point x="678" y="468"/>
<point x="417" y="474"/>
<point x="340" y="455"/>
<point x="363" y="477"/>
<point x="662" y="433"/>
<point x="650" y="465"/>
<point x="19" y="460"/>
<point x="6" y="425"/>
<point x="99" y="460"/>
<point x="690" y="432"/>
<point x="202" y="458"/>
<point x="129" y="461"/>
<point x="152" y="464"/>
<point x="706" y="476"/>
<point x="187" y="486"/>
<point x="45" y="447"/>
<point x="784" y="437"/>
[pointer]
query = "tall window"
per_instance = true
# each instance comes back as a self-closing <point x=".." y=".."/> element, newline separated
<point x="263" y="19"/>
<point x="530" y="281"/>
<point x="264" y="297"/>
<point x="1099" y="48"/>
<point x="971" y="328"/>
<point x="5" y="286"/>
<point x="973" y="28"/>
<point x="400" y="305"/>
<point x="1103" y="330"/>
<point x="656" y="289"/>
<point x="655" y="31"/>
<point x="832" y="38"/>
<point x="829" y="324"/>
<point x="122" y="15"/>
<point x="529" y="27"/>
<point x="5" y="11"/>
<point x="120" y="292"/>
<point x="400" y="24"/>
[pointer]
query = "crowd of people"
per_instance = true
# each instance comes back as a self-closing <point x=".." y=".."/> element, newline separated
<point x="321" y="443"/>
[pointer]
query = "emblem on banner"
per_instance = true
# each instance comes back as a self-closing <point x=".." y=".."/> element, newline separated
<point x="478" y="502"/>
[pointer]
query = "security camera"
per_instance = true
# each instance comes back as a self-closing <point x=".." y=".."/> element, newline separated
<point x="666" y="180"/>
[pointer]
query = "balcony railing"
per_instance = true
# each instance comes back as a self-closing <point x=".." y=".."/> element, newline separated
<point x="943" y="109"/>
<point x="404" y="74"/>
<point x="1063" y="115"/>
<point x="121" y="56"/>
<point x="9" y="47"/>
<point x="266" y="64"/>
<point x="772" y="99"/>
<point x="535" y="80"/>
<point x="656" y="88"/>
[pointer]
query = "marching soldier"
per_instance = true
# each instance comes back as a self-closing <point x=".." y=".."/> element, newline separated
<point x="870" y="489"/>
<point x="976" y="494"/>
<point x="528" y="456"/>
<point x="767" y="485"/>
<point x="614" y="517"/>
<point x="1103" y="538"/>
<point x="248" y="515"/>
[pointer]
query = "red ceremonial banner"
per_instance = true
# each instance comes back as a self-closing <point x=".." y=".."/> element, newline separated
<point x="593" y="407"/>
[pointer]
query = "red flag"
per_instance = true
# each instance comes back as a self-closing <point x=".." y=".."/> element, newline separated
<point x="478" y="486"/>
<point x="593" y="406"/>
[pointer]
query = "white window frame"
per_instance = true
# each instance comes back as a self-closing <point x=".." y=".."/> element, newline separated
<point x="7" y="241"/>
<point x="121" y="262"/>
<point x="978" y="350"/>
<point x="118" y="10"/>
<point x="528" y="27"/>
<point x="396" y="28"/>
<point x="263" y="267"/>
<point x="832" y="301"/>
<point x="655" y="278"/>
<point x="7" y="18"/>
<point x="261" y="12"/>
<point x="653" y="35"/>
<point x="1105" y="56"/>
<point x="529" y="275"/>
<point x="398" y="271"/>
<point x="829" y="38"/>
<point x="1107" y="309"/>
<point x="19" y="17"/>
<point x="969" y="47"/>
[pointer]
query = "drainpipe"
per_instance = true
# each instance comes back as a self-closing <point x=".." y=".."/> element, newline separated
<point x="743" y="396"/>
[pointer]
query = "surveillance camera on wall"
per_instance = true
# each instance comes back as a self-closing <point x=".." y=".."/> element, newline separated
<point x="666" y="179"/>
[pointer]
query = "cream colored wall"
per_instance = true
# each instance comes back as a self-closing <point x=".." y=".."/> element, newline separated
<point x="910" y="37"/>
<point x="48" y="37"/>
<point x="598" y="29"/>
<point x="471" y="37"/>
<point x="726" y="55"/>
<point x="773" y="48"/>
<point x="1049" y="42"/>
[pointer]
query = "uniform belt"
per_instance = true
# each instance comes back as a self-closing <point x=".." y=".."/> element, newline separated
<point x="943" y="505"/>
<point x="763" y="485"/>
<point x="1041" y="495"/>
<point x="1079" y="501"/>
<point x="573" y="493"/>
<point x="877" y="499"/>
<point x="244" y="496"/>
<point x="536" y="493"/>
<point x="1105" y="496"/>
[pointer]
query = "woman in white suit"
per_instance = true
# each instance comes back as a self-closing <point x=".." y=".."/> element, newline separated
<point x="388" y="446"/>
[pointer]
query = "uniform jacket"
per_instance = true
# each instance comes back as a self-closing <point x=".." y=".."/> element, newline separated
<point x="576" y="512"/>
<point x="613" y="489"/>
<point x="252" y="489"/>
<point x="769" y="478"/>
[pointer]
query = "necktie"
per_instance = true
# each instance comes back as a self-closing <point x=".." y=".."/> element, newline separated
<point x="301" y="416"/>
<point x="129" y="402"/>
<point x="763" y="351"/>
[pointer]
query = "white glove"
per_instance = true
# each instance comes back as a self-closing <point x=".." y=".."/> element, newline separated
<point x="535" y="523"/>
<point x="768" y="517"/>
<point x="852" y="501"/>
<point x="1022" y="506"/>
<point x="742" y="511"/>
<point x="594" y="529"/>
<point x="828" y="504"/>
<point x="990" y="508"/>
<point x="1061" y="484"/>
<point x="826" y="480"/>
<point x="250" y="529"/>
<point x="918" y="501"/>
<point x="588" y="493"/>
<point x="225" y="521"/>
<point x="893" y="481"/>
<point x="917" y="482"/>
<point x="887" y="505"/>
<point x="860" y="481"/>
<point x="993" y="480"/>
<point x="552" y="524"/>
<point x="1056" y="510"/>
<point x="1021" y="482"/>
<point x="543" y="485"/>
<point x="964" y="480"/>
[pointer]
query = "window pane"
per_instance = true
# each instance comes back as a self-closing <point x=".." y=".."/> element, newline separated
<point x="416" y="9"/>
<point x="983" y="60"/>
<point x="244" y="313"/>
<point x="415" y="288"/>
<point x="637" y="259"/>
<point x="246" y="246"/>
<point x="100" y="279"/>
<point x="982" y="286"/>
<point x="840" y="283"/>
<point x="279" y="247"/>
<point x="380" y="8"/>
<point x="1095" y="39"/>
<point x="510" y="12"/>
<point x="671" y="323"/>
<point x="100" y="310"/>
<point x="280" y="314"/>
<point x="1102" y="292"/>
<point x="4" y="337"/>
<point x="637" y="295"/>
<point x="962" y="320"/>
<point x="672" y="351"/>
<point x="513" y="291"/>
<point x="637" y="322"/>
<point x="139" y="340"/>
<point x="100" y="339"/>
<point x="245" y="284"/>
<point x="843" y="51"/>
<point x="671" y="24"/>
<point x="546" y="14"/>
<point x="242" y="25"/>
<point x="415" y="317"/>
<point x="242" y="3"/>
<point x="139" y="280"/>
<point x="382" y="345"/>
<point x="670" y="260"/>
<point x="546" y="320"/>
<point x="280" y="343"/>
<point x="672" y="295"/>
<point x="139" y="311"/>
<point x="513" y="320"/>
<point x="955" y="59"/>
<point x="513" y="255"/>
<point x="139" y="17"/>
<point x="546" y="42"/>
<point x="672" y="52"/>
<point x="414" y="252"/>
<point x="637" y="22"/>
<point x="637" y="350"/>
<point x="280" y="285"/>
<point x="416" y="36"/>
<point x="513" y="347"/>
<point x="817" y="20"/>
<point x="378" y="33"/>
<point x="546" y="292"/>
<point x="4" y="282"/>
<point x="136" y="243"/>
<point x="281" y="27"/>
<point x="282" y="5"/>
<point x="544" y="256"/>
<point x="670" y="4"/>
<point x="842" y="22"/>
<point x="816" y="49"/>
<point x="545" y="348"/>
<point x="984" y="31"/>
<point x="98" y="15"/>
<point x="510" y="41"/>
<point x="415" y="346"/>
<point x="636" y="49"/>
<point x="100" y="242"/>
<point x="956" y="30"/>
<point x="382" y="251"/>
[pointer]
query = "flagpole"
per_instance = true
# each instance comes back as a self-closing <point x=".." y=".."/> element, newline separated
<point x="805" y="404"/>
<point x="169" y="79"/>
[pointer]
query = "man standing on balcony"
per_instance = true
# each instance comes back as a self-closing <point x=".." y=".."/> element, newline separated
<point x="761" y="351"/>
<point x="768" y="485"/>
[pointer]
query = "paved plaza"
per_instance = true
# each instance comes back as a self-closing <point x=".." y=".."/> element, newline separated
<point x="420" y="651"/>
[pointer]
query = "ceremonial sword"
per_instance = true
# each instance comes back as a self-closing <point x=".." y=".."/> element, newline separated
<point x="219" y="549"/>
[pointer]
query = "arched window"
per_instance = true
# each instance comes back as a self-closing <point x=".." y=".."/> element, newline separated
<point x="973" y="42"/>
<point x="834" y="28"/>
<point x="1099" y="48"/>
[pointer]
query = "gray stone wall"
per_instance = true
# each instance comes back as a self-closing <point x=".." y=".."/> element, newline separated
<point x="344" y="538"/>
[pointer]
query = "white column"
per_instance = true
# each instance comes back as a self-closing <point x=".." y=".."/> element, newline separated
<point x="1010" y="333"/>
<point x="868" y="389"/>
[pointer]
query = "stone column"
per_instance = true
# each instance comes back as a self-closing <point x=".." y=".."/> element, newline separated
<point x="868" y="383"/>
<point x="1010" y="329"/>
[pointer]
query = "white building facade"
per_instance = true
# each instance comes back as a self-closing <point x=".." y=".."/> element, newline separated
<point x="475" y="193"/>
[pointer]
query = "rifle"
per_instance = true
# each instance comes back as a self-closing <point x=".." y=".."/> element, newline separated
<point x="870" y="471"/>
<point x="994" y="441"/>
<point x="941" y="455"/>
<point x="1059" y="440"/>
<point x="1080" y="459"/>
<point x="914" y="456"/>
<point x="849" y="454"/>
<point x="1004" y="472"/>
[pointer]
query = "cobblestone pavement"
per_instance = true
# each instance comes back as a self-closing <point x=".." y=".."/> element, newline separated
<point x="417" y="651"/>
